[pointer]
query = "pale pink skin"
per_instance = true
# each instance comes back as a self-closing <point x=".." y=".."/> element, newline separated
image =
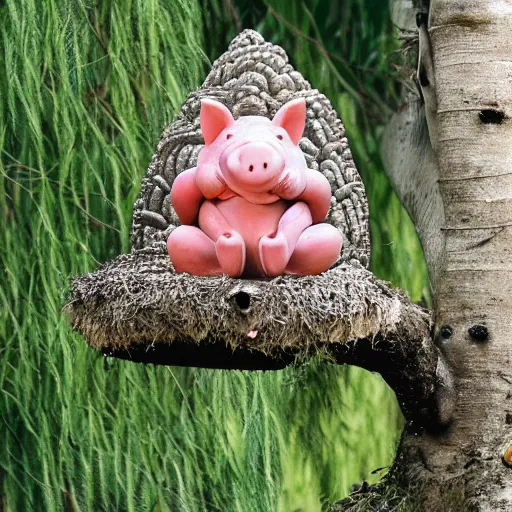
<point x="251" y="206"/>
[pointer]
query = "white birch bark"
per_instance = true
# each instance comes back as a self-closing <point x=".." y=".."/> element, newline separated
<point x="467" y="54"/>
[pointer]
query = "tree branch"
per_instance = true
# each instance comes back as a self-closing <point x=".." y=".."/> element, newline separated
<point x="136" y="307"/>
<point x="410" y="163"/>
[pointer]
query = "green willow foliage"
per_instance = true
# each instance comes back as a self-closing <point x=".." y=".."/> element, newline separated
<point x="85" y="89"/>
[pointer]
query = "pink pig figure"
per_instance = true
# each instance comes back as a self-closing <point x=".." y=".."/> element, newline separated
<point x="256" y="204"/>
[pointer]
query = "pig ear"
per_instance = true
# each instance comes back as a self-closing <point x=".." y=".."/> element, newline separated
<point x="292" y="117"/>
<point x="214" y="117"/>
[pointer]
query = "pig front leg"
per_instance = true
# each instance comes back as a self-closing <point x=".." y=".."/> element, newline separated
<point x="291" y="184"/>
<point x="317" y="195"/>
<point x="309" y="249"/>
<point x="318" y="246"/>
<point x="212" y="249"/>
<point x="229" y="245"/>
<point x="186" y="198"/>
<point x="276" y="249"/>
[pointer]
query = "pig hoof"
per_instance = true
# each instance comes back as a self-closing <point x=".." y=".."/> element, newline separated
<point x="230" y="249"/>
<point x="274" y="254"/>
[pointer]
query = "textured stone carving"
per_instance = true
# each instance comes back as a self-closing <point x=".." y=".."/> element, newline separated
<point x="254" y="78"/>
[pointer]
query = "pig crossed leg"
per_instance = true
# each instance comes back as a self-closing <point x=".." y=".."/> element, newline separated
<point x="229" y="244"/>
<point x="212" y="249"/>
<point x="216" y="248"/>
<point x="276" y="249"/>
<point x="318" y="247"/>
<point x="297" y="247"/>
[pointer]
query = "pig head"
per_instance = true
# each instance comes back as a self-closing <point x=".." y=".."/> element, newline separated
<point x="254" y="157"/>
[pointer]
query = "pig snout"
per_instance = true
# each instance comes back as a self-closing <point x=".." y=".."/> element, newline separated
<point x="255" y="166"/>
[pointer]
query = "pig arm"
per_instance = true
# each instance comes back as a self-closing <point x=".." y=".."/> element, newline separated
<point x="210" y="181"/>
<point x="310" y="186"/>
<point x="186" y="197"/>
<point x="317" y="195"/>
<point x="291" y="184"/>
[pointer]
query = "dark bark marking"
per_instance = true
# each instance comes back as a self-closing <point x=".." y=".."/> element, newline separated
<point x="491" y="116"/>
<point x="504" y="377"/>
<point x="243" y="301"/>
<point x="479" y="332"/>
<point x="423" y="78"/>
<point x="467" y="20"/>
<point x="485" y="240"/>
<point x="421" y="18"/>
<point x="445" y="332"/>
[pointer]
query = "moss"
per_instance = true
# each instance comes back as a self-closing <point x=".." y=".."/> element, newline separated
<point x="138" y="299"/>
<point x="386" y="496"/>
<point x="390" y="496"/>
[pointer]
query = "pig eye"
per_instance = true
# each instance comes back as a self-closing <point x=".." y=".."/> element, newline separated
<point x="229" y="135"/>
<point x="280" y="137"/>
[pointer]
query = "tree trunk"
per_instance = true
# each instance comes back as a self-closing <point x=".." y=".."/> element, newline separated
<point x="465" y="72"/>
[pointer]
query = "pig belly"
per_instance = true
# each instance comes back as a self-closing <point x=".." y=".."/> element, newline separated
<point x="252" y="221"/>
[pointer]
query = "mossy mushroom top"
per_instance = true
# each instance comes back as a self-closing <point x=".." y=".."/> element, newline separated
<point x="138" y="307"/>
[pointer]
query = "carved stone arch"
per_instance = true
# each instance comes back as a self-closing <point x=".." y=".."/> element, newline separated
<point x="254" y="78"/>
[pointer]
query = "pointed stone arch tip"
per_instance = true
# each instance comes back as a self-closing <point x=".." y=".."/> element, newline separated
<point x="137" y="308"/>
